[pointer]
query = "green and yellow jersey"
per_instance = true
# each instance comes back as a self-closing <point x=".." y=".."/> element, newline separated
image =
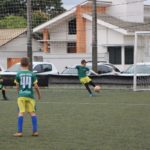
<point x="82" y="70"/>
<point x="25" y="79"/>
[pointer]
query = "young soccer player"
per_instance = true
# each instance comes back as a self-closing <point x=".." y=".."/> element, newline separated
<point x="3" y="89"/>
<point x="84" y="79"/>
<point x="25" y="80"/>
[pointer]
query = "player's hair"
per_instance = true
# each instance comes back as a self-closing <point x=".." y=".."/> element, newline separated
<point x="24" y="62"/>
<point x="83" y="61"/>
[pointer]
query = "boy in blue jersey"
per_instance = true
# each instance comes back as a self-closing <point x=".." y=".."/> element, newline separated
<point x="25" y="80"/>
<point x="84" y="79"/>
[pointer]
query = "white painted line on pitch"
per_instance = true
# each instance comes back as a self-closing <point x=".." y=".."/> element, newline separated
<point x="59" y="103"/>
<point x="67" y="103"/>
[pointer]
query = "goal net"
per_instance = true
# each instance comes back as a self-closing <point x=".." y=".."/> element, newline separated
<point x="141" y="61"/>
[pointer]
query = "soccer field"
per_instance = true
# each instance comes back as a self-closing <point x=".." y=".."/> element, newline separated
<point x="71" y="120"/>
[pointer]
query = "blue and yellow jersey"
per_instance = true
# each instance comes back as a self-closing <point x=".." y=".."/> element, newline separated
<point x="25" y="79"/>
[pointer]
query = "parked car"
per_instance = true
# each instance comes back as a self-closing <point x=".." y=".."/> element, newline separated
<point x="41" y="68"/>
<point x="141" y="69"/>
<point x="73" y="71"/>
<point x="102" y="69"/>
<point x="105" y="68"/>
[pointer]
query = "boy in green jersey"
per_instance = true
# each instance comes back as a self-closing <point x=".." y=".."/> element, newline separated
<point x="25" y="80"/>
<point x="84" y="79"/>
<point x="3" y="89"/>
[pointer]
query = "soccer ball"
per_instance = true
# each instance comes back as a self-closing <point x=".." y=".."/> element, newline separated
<point x="97" y="88"/>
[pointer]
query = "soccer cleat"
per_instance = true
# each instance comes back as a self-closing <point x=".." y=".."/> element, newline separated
<point x="5" y="98"/>
<point x="91" y="95"/>
<point x="35" y="134"/>
<point x="18" y="134"/>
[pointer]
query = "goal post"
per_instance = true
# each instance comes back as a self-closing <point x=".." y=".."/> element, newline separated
<point x="141" y="76"/>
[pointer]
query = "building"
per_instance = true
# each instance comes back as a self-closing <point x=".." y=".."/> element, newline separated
<point x="13" y="46"/>
<point x="67" y="38"/>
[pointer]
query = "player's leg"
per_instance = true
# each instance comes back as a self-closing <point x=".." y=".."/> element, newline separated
<point x="31" y="110"/>
<point x="86" y="81"/>
<point x="92" y="83"/>
<point x="88" y="89"/>
<point x="21" y="105"/>
<point x="4" y="93"/>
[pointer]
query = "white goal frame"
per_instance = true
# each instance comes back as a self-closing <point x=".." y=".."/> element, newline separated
<point x="135" y="60"/>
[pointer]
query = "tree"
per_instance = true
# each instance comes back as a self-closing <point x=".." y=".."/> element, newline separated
<point x="39" y="17"/>
<point x="12" y="7"/>
<point x="13" y="22"/>
<point x="18" y="7"/>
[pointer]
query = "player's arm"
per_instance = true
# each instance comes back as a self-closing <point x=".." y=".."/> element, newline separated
<point x="93" y="72"/>
<point x="36" y="87"/>
<point x="17" y="83"/>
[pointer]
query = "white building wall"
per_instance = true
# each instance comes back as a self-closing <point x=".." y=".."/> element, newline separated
<point x="59" y="37"/>
<point x="105" y="37"/>
<point x="16" y="48"/>
<point x="147" y="11"/>
<point x="63" y="60"/>
<point x="58" y="47"/>
<point x="128" y="10"/>
<point x="20" y="44"/>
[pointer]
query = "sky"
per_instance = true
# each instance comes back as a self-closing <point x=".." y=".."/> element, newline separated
<point x="71" y="3"/>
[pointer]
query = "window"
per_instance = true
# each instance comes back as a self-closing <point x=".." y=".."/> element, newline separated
<point x="47" y="67"/>
<point x="38" y="68"/>
<point x="71" y="48"/>
<point x="72" y="26"/>
<point x="114" y="55"/>
<point x="129" y="55"/>
<point x="104" y="69"/>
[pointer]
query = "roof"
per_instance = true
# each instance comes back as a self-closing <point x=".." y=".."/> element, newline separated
<point x="68" y="14"/>
<point x="9" y="34"/>
<point x="120" y="25"/>
<point x="57" y="19"/>
<point x="111" y="22"/>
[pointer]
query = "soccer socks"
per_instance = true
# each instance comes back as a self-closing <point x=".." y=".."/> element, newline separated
<point x="92" y="83"/>
<point x="4" y="94"/>
<point x="87" y="87"/>
<point x="34" y="123"/>
<point x="20" y="124"/>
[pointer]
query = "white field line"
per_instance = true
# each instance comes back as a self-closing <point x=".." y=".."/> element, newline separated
<point x="68" y="103"/>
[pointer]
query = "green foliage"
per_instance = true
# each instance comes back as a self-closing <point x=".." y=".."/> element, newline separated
<point x="38" y="17"/>
<point x="19" y="7"/>
<point x="13" y="22"/>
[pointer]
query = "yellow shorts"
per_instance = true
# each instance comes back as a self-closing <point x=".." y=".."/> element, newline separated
<point x="26" y="104"/>
<point x="85" y="80"/>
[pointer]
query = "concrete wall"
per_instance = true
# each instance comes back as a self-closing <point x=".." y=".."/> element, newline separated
<point x="105" y="36"/>
<point x="147" y="11"/>
<point x="20" y="44"/>
<point x="16" y="48"/>
<point x="11" y="54"/>
<point x="63" y="60"/>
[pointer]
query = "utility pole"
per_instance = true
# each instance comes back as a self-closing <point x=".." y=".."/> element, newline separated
<point x="94" y="36"/>
<point x="29" y="33"/>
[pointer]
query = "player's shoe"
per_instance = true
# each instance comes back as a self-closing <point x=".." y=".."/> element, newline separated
<point x="5" y="98"/>
<point x="18" y="134"/>
<point x="91" y="95"/>
<point x="35" y="134"/>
